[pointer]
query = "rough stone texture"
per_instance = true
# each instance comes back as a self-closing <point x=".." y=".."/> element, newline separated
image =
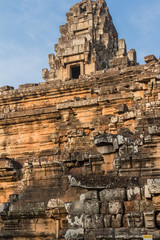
<point x="79" y="158"/>
<point x="89" y="42"/>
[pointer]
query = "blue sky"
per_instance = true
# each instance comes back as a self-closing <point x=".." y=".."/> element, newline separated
<point x="30" y="28"/>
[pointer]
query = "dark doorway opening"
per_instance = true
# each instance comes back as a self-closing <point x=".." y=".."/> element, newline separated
<point x="75" y="71"/>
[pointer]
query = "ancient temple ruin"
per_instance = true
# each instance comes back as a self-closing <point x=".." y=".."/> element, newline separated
<point x="80" y="152"/>
<point x="88" y="43"/>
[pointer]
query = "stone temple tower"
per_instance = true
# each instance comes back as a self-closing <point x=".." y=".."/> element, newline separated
<point x="88" y="43"/>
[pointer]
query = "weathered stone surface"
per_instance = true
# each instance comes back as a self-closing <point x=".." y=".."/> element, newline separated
<point x="134" y="193"/>
<point x="113" y="194"/>
<point x="116" y="221"/>
<point x="89" y="195"/>
<point x="115" y="207"/>
<point x="107" y="221"/>
<point x="150" y="58"/>
<point x="121" y="108"/>
<point x="135" y="220"/>
<point x="78" y="52"/>
<point x="75" y="208"/>
<point x="149" y="218"/>
<point x="91" y="207"/>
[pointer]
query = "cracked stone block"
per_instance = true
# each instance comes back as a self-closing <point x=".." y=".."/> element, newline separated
<point x="134" y="193"/>
<point x="116" y="207"/>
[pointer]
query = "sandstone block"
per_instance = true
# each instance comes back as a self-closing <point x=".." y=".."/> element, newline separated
<point x="6" y="88"/>
<point x="154" y="130"/>
<point x="114" y="119"/>
<point x="130" y="220"/>
<point x="104" y="207"/>
<point x="116" y="163"/>
<point x="134" y="193"/>
<point x="135" y="219"/>
<point x="149" y="219"/>
<point x="154" y="185"/>
<point x="107" y="221"/>
<point x="147" y="205"/>
<point x="93" y="222"/>
<point x="116" y="221"/>
<point x="113" y="194"/>
<point x="4" y="207"/>
<point x="97" y="221"/>
<point x="132" y="56"/>
<point x="156" y="202"/>
<point x="115" y="143"/>
<point x="150" y="58"/>
<point x="55" y="203"/>
<point x="138" y="220"/>
<point x="91" y="207"/>
<point x="129" y="206"/>
<point x="106" y="149"/>
<point x="87" y="222"/>
<point x="120" y="139"/>
<point x="75" y="221"/>
<point x="116" y="207"/>
<point x="102" y="140"/>
<point x="125" y="221"/>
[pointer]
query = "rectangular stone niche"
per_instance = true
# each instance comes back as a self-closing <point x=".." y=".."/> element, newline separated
<point x="75" y="70"/>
